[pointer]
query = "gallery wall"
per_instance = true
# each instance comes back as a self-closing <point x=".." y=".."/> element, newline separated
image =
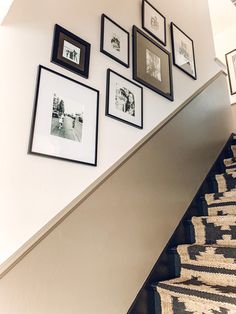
<point x="34" y="189"/>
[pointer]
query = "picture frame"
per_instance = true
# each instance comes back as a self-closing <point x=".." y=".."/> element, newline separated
<point x="70" y="51"/>
<point x="115" y="41"/>
<point x="124" y="99"/>
<point x="152" y="66"/>
<point x="231" y="69"/>
<point x="65" y="119"/>
<point x="153" y="22"/>
<point x="183" y="51"/>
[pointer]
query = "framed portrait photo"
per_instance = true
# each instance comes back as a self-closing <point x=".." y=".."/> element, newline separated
<point x="183" y="51"/>
<point x="231" y="68"/>
<point x="70" y="51"/>
<point x="152" y="64"/>
<point x="65" y="119"/>
<point x="153" y="22"/>
<point x="114" y="41"/>
<point x="124" y="100"/>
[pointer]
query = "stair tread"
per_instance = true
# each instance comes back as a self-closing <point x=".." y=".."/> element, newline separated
<point x="203" y="289"/>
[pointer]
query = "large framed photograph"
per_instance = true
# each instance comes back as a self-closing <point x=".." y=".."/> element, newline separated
<point x="124" y="99"/>
<point x="231" y="68"/>
<point x="65" y="119"/>
<point x="152" y="64"/>
<point x="153" y="22"/>
<point x="183" y="51"/>
<point x="70" y="51"/>
<point x="114" y="41"/>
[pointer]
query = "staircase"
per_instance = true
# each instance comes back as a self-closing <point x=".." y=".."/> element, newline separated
<point x="207" y="278"/>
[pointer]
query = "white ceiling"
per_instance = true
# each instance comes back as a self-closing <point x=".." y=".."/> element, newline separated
<point x="223" y="15"/>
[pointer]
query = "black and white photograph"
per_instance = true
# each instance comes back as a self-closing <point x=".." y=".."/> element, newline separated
<point x="124" y="99"/>
<point x="183" y="51"/>
<point x="152" y="64"/>
<point x="70" y="51"/>
<point x="114" y="41"/>
<point x="65" y="120"/>
<point x="153" y="22"/>
<point x="231" y="69"/>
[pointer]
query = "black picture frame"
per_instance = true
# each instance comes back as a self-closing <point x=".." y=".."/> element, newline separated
<point x="152" y="66"/>
<point x="65" y="119"/>
<point x="153" y="22"/>
<point x="124" y="99"/>
<point x="183" y="51"/>
<point x="70" y="51"/>
<point x="230" y="58"/>
<point x="115" y="41"/>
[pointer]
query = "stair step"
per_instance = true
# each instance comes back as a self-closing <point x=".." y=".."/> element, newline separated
<point x="229" y="162"/>
<point x="225" y="182"/>
<point x="233" y="149"/>
<point x="184" y="295"/>
<point x="220" y="203"/>
<point x="220" y="230"/>
<point x="207" y="255"/>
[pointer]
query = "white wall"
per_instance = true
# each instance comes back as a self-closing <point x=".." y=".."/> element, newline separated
<point x="35" y="189"/>
<point x="223" y="20"/>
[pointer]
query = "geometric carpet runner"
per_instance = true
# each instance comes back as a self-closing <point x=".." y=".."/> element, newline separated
<point x="207" y="282"/>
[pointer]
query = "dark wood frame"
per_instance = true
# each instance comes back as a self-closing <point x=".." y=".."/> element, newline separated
<point x="143" y="22"/>
<point x="170" y="95"/>
<point x="103" y="17"/>
<point x="229" y="72"/>
<point x="30" y="146"/>
<point x="57" y="57"/>
<point x="172" y="25"/>
<point x="109" y="71"/>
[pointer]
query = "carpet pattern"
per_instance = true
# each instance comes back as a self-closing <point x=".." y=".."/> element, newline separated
<point x="207" y="282"/>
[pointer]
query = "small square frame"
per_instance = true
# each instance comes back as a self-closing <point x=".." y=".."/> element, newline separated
<point x="114" y="41"/>
<point x="70" y="51"/>
<point x="153" y="22"/>
<point x="124" y="100"/>
<point x="152" y="65"/>
<point x="183" y="51"/>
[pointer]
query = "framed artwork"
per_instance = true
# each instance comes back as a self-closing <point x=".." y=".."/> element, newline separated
<point x="231" y="68"/>
<point x="152" y="64"/>
<point x="124" y="99"/>
<point x="153" y="22"/>
<point x="183" y="51"/>
<point x="65" y="119"/>
<point x="114" y="41"/>
<point x="70" y="51"/>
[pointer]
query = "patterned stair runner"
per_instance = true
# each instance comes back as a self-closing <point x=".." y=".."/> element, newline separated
<point x="207" y="282"/>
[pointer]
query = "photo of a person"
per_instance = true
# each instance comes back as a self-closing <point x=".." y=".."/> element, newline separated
<point x="71" y="52"/>
<point x="153" y="65"/>
<point x="124" y="100"/>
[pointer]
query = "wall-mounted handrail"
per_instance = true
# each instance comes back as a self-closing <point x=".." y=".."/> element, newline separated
<point x="59" y="218"/>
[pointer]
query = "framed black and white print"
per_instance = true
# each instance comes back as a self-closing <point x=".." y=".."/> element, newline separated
<point x="114" y="41"/>
<point x="152" y="64"/>
<point x="231" y="68"/>
<point x="153" y="22"/>
<point x="183" y="51"/>
<point x="65" y="119"/>
<point x="124" y="99"/>
<point x="70" y="51"/>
